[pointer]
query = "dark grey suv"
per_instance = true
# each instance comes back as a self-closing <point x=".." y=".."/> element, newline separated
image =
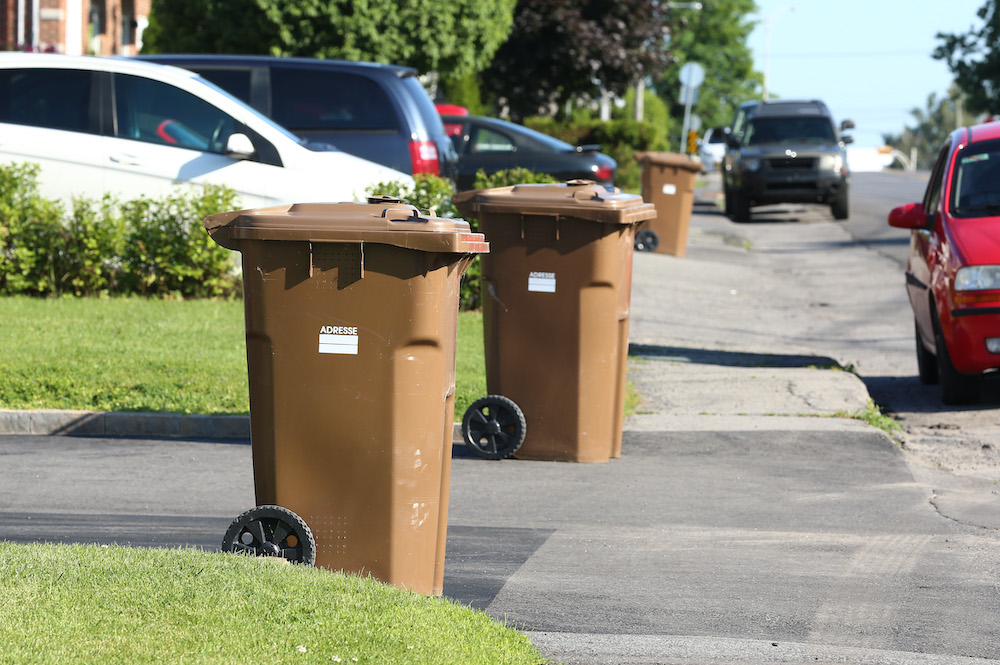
<point x="786" y="152"/>
<point x="379" y="112"/>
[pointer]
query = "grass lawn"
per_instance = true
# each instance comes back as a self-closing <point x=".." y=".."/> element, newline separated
<point x="82" y="604"/>
<point x="133" y="354"/>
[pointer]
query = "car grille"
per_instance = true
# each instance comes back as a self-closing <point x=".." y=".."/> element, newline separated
<point x="788" y="163"/>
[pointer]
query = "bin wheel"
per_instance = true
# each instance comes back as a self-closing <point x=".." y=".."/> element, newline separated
<point x="646" y="241"/>
<point x="271" y="531"/>
<point x="493" y="427"/>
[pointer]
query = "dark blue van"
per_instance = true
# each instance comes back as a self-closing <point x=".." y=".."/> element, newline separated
<point x="379" y="112"/>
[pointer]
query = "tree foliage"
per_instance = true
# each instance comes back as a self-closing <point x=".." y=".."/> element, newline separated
<point x="563" y="50"/>
<point x="933" y="125"/>
<point x="974" y="59"/>
<point x="452" y="36"/>
<point x="715" y="37"/>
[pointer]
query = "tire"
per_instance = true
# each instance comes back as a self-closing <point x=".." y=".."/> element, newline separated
<point x="646" y="240"/>
<point x="839" y="206"/>
<point x="493" y="427"/>
<point x="957" y="389"/>
<point x="740" y="212"/>
<point x="926" y="361"/>
<point x="271" y="531"/>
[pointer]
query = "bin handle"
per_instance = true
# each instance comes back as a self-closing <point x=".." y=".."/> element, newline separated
<point x="412" y="213"/>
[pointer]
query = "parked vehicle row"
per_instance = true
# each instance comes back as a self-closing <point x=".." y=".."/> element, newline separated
<point x="135" y="129"/>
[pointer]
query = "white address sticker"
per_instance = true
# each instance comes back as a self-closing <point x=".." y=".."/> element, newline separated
<point x="542" y="282"/>
<point x="339" y="339"/>
<point x="669" y="189"/>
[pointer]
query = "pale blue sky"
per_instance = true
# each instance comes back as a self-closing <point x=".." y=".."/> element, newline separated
<point x="869" y="60"/>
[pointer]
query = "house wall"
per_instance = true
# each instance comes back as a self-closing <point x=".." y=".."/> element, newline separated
<point x="75" y="27"/>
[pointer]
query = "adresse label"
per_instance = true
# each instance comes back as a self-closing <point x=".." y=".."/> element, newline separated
<point x="340" y="340"/>
<point x="542" y="282"/>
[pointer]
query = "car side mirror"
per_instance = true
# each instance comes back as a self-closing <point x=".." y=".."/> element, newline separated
<point x="846" y="124"/>
<point x="846" y="139"/>
<point x="239" y="146"/>
<point x="908" y="216"/>
<point x="732" y="141"/>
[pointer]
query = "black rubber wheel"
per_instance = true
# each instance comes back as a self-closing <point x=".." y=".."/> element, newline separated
<point x="493" y="427"/>
<point x="740" y="208"/>
<point x="271" y="531"/>
<point x="926" y="363"/>
<point x="646" y="240"/>
<point x="956" y="388"/>
<point x="840" y="206"/>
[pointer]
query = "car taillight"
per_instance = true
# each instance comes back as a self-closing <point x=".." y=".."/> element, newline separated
<point x="424" y="155"/>
<point x="604" y="173"/>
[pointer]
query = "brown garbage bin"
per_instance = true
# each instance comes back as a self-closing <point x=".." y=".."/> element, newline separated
<point x="556" y="292"/>
<point x="351" y="322"/>
<point x="668" y="183"/>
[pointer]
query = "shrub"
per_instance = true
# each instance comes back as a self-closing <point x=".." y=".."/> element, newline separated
<point x="155" y="247"/>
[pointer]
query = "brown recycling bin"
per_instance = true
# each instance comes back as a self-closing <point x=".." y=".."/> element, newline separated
<point x="668" y="183"/>
<point x="351" y="322"/>
<point x="556" y="291"/>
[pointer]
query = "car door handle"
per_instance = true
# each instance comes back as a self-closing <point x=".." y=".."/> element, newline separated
<point x="125" y="158"/>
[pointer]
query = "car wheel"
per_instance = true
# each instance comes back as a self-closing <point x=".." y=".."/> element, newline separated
<point x="926" y="362"/>
<point x="740" y="208"/>
<point x="839" y="206"/>
<point x="956" y="388"/>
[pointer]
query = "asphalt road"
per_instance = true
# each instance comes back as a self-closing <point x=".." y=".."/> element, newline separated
<point x="694" y="547"/>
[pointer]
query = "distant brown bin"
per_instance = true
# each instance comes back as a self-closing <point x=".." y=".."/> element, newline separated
<point x="668" y="183"/>
<point x="351" y="323"/>
<point x="556" y="293"/>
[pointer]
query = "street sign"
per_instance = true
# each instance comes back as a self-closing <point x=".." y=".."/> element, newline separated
<point x="692" y="74"/>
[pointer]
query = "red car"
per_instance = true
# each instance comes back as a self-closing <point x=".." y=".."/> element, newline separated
<point x="953" y="273"/>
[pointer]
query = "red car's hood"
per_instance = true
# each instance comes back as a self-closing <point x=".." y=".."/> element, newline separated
<point x="977" y="240"/>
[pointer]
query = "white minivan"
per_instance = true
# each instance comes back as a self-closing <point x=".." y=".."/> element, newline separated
<point x="131" y="128"/>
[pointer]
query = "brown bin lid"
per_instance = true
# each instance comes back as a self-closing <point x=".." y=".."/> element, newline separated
<point x="580" y="199"/>
<point x="669" y="159"/>
<point x="383" y="220"/>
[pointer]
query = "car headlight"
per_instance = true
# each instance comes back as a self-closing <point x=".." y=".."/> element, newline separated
<point x="752" y="164"/>
<point x="977" y="278"/>
<point x="831" y="163"/>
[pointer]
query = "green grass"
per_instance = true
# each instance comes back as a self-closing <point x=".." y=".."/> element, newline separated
<point x="89" y="604"/>
<point x="133" y="354"/>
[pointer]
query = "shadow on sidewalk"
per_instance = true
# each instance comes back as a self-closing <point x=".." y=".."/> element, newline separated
<point x="905" y="394"/>
<point x="730" y="358"/>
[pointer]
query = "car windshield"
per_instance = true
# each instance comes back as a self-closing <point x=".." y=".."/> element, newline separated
<point x="811" y="129"/>
<point x="976" y="181"/>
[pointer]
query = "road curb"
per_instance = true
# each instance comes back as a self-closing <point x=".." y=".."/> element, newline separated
<point x="51" y="422"/>
<point x="115" y="423"/>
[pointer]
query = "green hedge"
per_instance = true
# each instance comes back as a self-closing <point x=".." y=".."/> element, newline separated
<point x="152" y="247"/>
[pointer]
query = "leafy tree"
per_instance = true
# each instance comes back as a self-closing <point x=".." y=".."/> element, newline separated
<point x="562" y="50"/>
<point x="457" y="37"/>
<point x="974" y="59"/>
<point x="715" y="37"/>
<point x="933" y="125"/>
